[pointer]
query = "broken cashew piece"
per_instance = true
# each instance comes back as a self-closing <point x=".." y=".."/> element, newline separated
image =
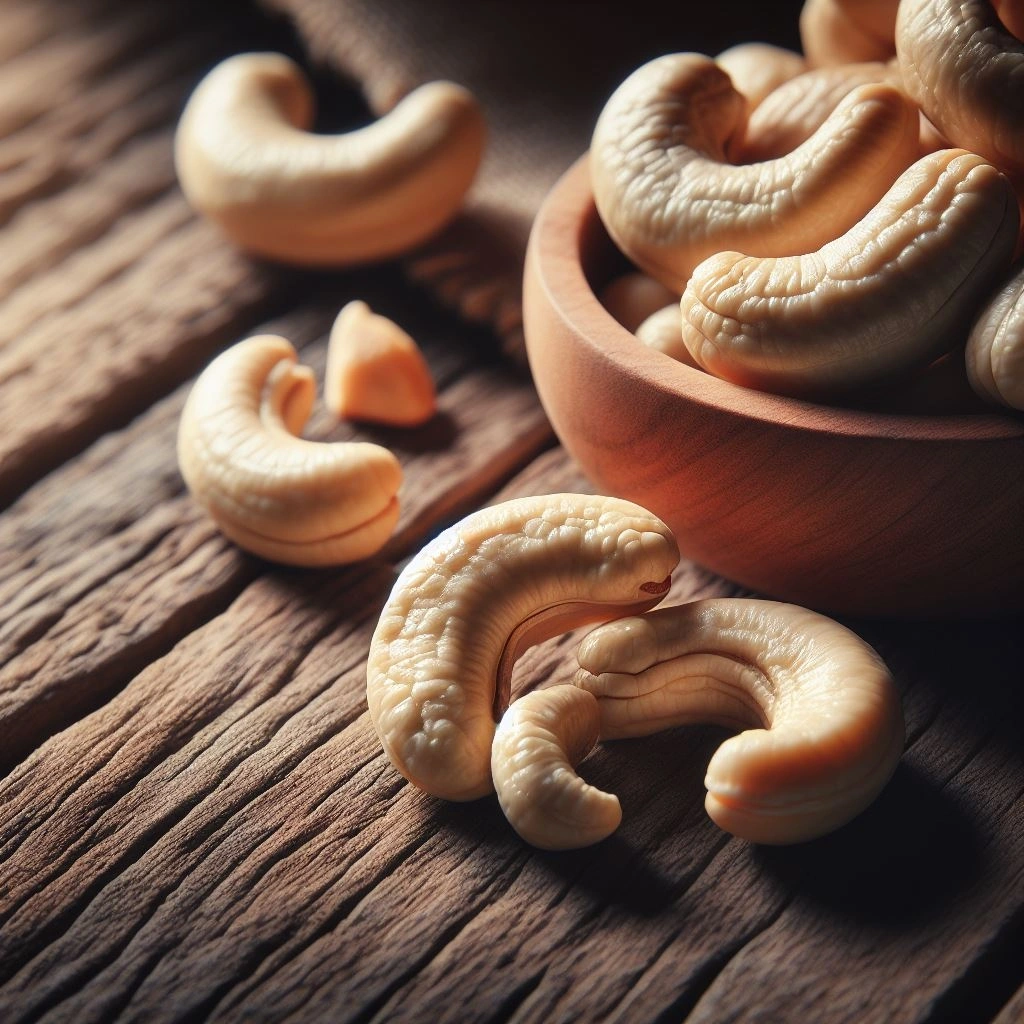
<point x="823" y="727"/>
<point x="895" y="292"/>
<point x="963" y="67"/>
<point x="246" y="159"/>
<point x="757" y="69"/>
<point x="847" y="31"/>
<point x="275" y="494"/>
<point x="537" y="745"/>
<point x="375" y="371"/>
<point x="669" y="199"/>
<point x="464" y="609"/>
<point x="995" y="346"/>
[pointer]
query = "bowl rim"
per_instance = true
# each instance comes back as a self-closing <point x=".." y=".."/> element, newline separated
<point x="569" y="214"/>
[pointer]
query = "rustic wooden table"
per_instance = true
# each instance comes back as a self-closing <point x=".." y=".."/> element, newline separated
<point x="196" y="820"/>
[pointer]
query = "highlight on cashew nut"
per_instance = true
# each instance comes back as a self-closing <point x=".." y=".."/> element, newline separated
<point x="821" y="718"/>
<point x="537" y="745"/>
<point x="375" y="371"/>
<point x="895" y="292"/>
<point x="246" y="159"/>
<point x="464" y="609"/>
<point x="847" y="31"/>
<point x="963" y="67"/>
<point x="669" y="199"/>
<point x="995" y="346"/>
<point x="273" y="493"/>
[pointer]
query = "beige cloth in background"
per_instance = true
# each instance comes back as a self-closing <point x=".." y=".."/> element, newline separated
<point x="542" y="72"/>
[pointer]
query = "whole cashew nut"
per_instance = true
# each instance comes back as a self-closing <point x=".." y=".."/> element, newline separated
<point x="537" y="745"/>
<point x="895" y="292"/>
<point x="995" y="346"/>
<point x="822" y="719"/>
<point x="669" y="201"/>
<point x="847" y="31"/>
<point x="757" y="69"/>
<point x="465" y="608"/>
<point x="246" y="159"/>
<point x="279" y="496"/>
<point x="964" y="69"/>
<point x="663" y="331"/>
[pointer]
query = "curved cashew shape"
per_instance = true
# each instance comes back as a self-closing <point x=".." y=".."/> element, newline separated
<point x="823" y="728"/>
<point x="895" y="292"/>
<point x="757" y="69"/>
<point x="465" y="608"/>
<point x="537" y="745"/>
<point x="847" y="31"/>
<point x="632" y="298"/>
<point x="995" y="346"/>
<point x="669" y="201"/>
<point x="279" y="496"/>
<point x="964" y="69"/>
<point x="663" y="331"/>
<point x="246" y="159"/>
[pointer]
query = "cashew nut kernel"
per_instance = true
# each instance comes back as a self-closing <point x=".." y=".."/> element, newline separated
<point x="281" y="497"/>
<point x="463" y="610"/>
<point x="895" y="292"/>
<point x="632" y="298"/>
<point x="757" y="69"/>
<point x="375" y="371"/>
<point x="669" y="200"/>
<point x="246" y="159"/>
<point x="823" y="727"/>
<point x="537" y="745"/>
<point x="847" y="31"/>
<point x="995" y="346"/>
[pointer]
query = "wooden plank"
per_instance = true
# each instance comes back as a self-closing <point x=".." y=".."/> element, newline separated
<point x="107" y="563"/>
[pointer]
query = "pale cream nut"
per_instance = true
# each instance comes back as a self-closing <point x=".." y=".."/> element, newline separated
<point x="376" y="371"/>
<point x="820" y="714"/>
<point x="995" y="346"/>
<point x="463" y="610"/>
<point x="537" y="745"/>
<point x="894" y="293"/>
<point x="275" y="494"/>
<point x="246" y="159"/>
<point x="757" y="69"/>
<point x="663" y="331"/>
<point x="669" y="199"/>
<point x="965" y="70"/>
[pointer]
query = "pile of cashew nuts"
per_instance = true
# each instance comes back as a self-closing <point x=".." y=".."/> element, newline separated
<point x="820" y="718"/>
<point x="821" y="225"/>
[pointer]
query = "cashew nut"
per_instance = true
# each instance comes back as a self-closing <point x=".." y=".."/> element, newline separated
<point x="995" y="346"/>
<point x="847" y="31"/>
<point x="537" y="745"/>
<point x="271" y="492"/>
<point x="964" y="69"/>
<point x="757" y="69"/>
<point x="669" y="201"/>
<point x="632" y="298"/>
<point x="375" y="371"/>
<point x="462" y="611"/>
<point x="663" y="331"/>
<point x="822" y="718"/>
<point x="895" y="292"/>
<point x="246" y="159"/>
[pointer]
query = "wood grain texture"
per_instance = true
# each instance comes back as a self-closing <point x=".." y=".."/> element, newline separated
<point x="840" y="509"/>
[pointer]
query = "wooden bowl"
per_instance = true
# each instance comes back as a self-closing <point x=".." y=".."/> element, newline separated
<point x="842" y="510"/>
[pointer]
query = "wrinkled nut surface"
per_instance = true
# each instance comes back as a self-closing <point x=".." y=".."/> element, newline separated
<point x="995" y="346"/>
<point x="757" y="69"/>
<point x="275" y="494"/>
<point x="246" y="159"/>
<point x="375" y="371"/>
<point x="465" y="608"/>
<point x="537" y="745"/>
<point x="669" y="199"/>
<point x="965" y="70"/>
<point x="847" y="31"/>
<point x="895" y="292"/>
<point x="632" y="298"/>
<point x="823" y="727"/>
